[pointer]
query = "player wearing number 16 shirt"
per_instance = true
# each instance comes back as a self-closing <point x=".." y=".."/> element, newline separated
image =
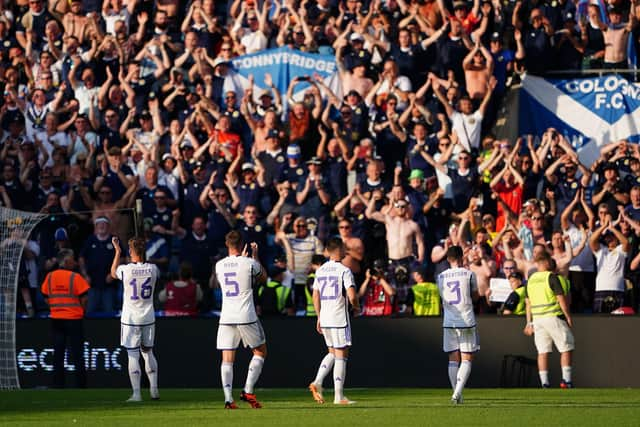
<point x="137" y="330"/>
<point x="238" y="275"/>
<point x="333" y="288"/>
<point x="458" y="289"/>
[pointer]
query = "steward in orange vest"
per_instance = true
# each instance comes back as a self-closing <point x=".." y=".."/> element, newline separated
<point x="66" y="293"/>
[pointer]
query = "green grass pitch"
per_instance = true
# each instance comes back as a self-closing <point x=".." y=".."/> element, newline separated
<point x="379" y="407"/>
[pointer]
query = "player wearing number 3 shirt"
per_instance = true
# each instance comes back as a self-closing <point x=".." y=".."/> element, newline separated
<point x="458" y="288"/>
<point x="238" y="275"/>
<point x="333" y="288"/>
<point x="137" y="330"/>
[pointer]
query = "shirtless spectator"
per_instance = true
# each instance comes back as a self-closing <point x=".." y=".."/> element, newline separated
<point x="402" y="233"/>
<point x="483" y="268"/>
<point x="354" y="249"/>
<point x="478" y="69"/>
<point x="616" y="36"/>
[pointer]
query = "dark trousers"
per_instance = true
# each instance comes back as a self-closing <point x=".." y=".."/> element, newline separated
<point x="583" y="285"/>
<point x="68" y="331"/>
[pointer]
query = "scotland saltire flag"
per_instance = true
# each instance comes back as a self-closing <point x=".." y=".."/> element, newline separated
<point x="589" y="112"/>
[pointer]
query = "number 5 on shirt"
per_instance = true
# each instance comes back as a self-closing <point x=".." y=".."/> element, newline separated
<point x="233" y="288"/>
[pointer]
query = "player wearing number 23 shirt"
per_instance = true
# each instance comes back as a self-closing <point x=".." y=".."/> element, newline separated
<point x="458" y="289"/>
<point x="333" y="289"/>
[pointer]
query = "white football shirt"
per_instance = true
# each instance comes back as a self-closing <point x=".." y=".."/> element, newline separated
<point x="332" y="280"/>
<point x="456" y="286"/>
<point x="237" y="276"/>
<point x="139" y="281"/>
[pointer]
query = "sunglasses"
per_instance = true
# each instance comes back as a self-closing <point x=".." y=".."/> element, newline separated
<point x="344" y="227"/>
<point x="536" y="218"/>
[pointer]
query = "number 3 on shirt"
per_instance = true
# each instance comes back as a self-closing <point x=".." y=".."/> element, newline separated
<point x="454" y="287"/>
<point x="330" y="282"/>
<point x="233" y="288"/>
<point x="145" y="289"/>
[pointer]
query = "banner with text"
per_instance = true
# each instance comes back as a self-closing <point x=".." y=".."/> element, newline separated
<point x="284" y="64"/>
<point x="589" y="112"/>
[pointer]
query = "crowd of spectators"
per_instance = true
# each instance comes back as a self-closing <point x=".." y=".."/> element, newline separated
<point x="105" y="103"/>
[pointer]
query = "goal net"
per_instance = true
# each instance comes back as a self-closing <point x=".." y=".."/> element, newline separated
<point x="15" y="227"/>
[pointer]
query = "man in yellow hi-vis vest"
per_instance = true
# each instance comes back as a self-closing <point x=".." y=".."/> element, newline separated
<point x="549" y="320"/>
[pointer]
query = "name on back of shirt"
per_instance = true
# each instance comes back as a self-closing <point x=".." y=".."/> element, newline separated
<point x="230" y="264"/>
<point x="141" y="271"/>
<point x="454" y="274"/>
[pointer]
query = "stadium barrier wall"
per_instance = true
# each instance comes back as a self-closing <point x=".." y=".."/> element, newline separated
<point x="385" y="353"/>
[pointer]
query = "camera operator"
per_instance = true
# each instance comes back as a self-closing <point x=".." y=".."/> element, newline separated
<point x="377" y="291"/>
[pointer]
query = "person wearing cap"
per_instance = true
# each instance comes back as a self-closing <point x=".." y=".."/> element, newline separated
<point x="313" y="195"/>
<point x="272" y="159"/>
<point x="150" y="130"/>
<point x="95" y="265"/>
<point x="418" y="199"/>
<point x="354" y="52"/>
<point x="248" y="189"/>
<point x="611" y="249"/>
<point x="502" y="62"/>
<point x="294" y="169"/>
<point x="353" y="77"/>
<point x="567" y="184"/>
<point x="612" y="190"/>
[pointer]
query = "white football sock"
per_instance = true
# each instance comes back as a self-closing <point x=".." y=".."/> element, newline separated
<point x="325" y="367"/>
<point x="226" y="373"/>
<point x="566" y="373"/>
<point x="463" y="376"/>
<point x="151" y="366"/>
<point x="339" y="374"/>
<point x="255" y="368"/>
<point x="453" y="373"/>
<point x="134" y="370"/>
<point x="544" y="377"/>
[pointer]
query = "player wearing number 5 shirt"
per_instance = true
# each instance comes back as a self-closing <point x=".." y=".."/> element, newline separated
<point x="238" y="275"/>
<point x="137" y="330"/>
<point x="458" y="289"/>
<point x="333" y="289"/>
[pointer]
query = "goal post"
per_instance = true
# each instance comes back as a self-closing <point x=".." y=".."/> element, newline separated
<point x="15" y="228"/>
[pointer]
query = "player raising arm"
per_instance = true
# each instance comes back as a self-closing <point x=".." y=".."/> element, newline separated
<point x="332" y="287"/>
<point x="137" y="331"/>
<point x="458" y="288"/>
<point x="238" y="275"/>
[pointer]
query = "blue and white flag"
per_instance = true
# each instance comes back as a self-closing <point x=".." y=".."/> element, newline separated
<point x="589" y="112"/>
<point x="284" y="64"/>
